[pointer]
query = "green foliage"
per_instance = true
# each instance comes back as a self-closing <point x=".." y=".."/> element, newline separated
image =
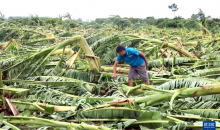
<point x="121" y="23"/>
<point x="180" y="25"/>
<point x="150" y="20"/>
<point x="171" y="24"/>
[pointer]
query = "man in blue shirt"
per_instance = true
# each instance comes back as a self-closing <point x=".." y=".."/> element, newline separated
<point x="137" y="61"/>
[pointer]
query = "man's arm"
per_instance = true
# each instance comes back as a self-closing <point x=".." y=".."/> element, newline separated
<point x="143" y="56"/>
<point x="114" y="69"/>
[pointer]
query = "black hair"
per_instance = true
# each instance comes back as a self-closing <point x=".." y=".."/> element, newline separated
<point x="120" y="48"/>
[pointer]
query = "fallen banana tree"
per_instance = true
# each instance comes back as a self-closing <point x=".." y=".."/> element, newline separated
<point x="158" y="96"/>
<point x="42" y="56"/>
<point x="39" y="122"/>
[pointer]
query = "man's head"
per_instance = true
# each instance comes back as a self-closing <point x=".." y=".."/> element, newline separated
<point x="121" y="50"/>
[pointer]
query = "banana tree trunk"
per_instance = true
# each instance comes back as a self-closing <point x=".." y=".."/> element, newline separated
<point x="93" y="60"/>
<point x="47" y="122"/>
<point x="165" y="95"/>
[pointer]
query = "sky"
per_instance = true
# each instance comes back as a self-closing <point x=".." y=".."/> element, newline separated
<point x="92" y="9"/>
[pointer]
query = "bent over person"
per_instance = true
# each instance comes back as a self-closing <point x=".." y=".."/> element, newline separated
<point x="137" y="61"/>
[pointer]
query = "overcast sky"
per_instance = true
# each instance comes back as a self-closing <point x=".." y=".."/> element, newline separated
<point x="92" y="9"/>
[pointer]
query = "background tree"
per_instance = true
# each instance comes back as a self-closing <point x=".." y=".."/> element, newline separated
<point x="79" y="19"/>
<point x="2" y="17"/>
<point x="174" y="8"/>
<point x="36" y="20"/>
<point x="59" y="20"/>
<point x="151" y="20"/>
<point x="178" y="18"/>
<point x="68" y="15"/>
<point x="122" y="23"/>
<point x="200" y="20"/>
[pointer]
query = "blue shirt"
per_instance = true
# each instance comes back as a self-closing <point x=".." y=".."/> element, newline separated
<point x="131" y="57"/>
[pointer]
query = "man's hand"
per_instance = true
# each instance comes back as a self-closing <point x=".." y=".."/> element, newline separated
<point x="114" y="69"/>
<point x="143" y="56"/>
<point x="114" y="76"/>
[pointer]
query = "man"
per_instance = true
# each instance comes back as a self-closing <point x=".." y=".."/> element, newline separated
<point x="137" y="61"/>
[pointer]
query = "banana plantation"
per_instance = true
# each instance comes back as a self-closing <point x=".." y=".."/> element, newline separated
<point x="57" y="77"/>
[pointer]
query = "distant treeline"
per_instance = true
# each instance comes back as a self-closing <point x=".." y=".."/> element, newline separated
<point x="176" y="22"/>
<point x="14" y="17"/>
<point x="115" y="21"/>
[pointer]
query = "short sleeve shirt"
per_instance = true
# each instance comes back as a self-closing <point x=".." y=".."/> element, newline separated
<point x="131" y="57"/>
